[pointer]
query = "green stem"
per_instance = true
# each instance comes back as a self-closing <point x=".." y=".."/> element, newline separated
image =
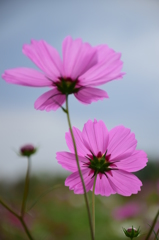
<point x="93" y="204"/>
<point x="79" y="170"/>
<point x="156" y="238"/>
<point x="19" y="217"/>
<point x="153" y="225"/>
<point x="9" y="209"/>
<point x="25" y="228"/>
<point x="25" y="195"/>
<point x="26" y="189"/>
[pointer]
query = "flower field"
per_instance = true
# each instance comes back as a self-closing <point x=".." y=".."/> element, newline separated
<point x="55" y="212"/>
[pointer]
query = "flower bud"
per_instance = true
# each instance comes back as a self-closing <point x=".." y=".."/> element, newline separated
<point x="27" y="150"/>
<point x="131" y="232"/>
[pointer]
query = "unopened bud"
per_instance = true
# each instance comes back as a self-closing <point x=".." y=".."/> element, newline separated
<point x="27" y="150"/>
<point x="131" y="232"/>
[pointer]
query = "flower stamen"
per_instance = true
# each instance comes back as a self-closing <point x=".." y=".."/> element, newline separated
<point x="100" y="164"/>
<point x="67" y="85"/>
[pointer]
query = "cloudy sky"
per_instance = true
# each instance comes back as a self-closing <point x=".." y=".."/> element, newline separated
<point x="128" y="26"/>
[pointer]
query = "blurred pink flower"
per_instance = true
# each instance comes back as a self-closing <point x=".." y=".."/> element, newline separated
<point x="112" y="155"/>
<point x="82" y="68"/>
<point x="127" y="211"/>
<point x="14" y="221"/>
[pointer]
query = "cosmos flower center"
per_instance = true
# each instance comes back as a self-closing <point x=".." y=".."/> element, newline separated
<point x="67" y="85"/>
<point x="99" y="163"/>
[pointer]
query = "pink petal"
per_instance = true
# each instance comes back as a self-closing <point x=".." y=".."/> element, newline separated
<point x="133" y="163"/>
<point x="26" y="77"/>
<point x="88" y="94"/>
<point x="45" y="57"/>
<point x="124" y="183"/>
<point x="68" y="161"/>
<point x="74" y="182"/>
<point x="122" y="143"/>
<point x="103" y="186"/>
<point x="81" y="149"/>
<point x="108" y="68"/>
<point x="50" y="100"/>
<point x="95" y="136"/>
<point x="78" y="57"/>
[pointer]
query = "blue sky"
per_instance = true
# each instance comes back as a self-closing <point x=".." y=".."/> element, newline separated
<point x="129" y="27"/>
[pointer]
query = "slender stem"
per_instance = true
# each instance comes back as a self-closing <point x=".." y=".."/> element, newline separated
<point x="25" y="227"/>
<point x="9" y="209"/>
<point x="93" y="204"/>
<point x="79" y="170"/>
<point x="156" y="238"/>
<point x="25" y="195"/>
<point x="19" y="217"/>
<point x="26" y="189"/>
<point x="153" y="225"/>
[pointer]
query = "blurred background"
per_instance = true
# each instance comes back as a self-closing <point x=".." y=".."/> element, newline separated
<point x="129" y="27"/>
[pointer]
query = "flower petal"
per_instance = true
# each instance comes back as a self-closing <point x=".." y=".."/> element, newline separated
<point x="95" y="136"/>
<point x="122" y="143"/>
<point x="103" y="186"/>
<point x="107" y="69"/>
<point x="81" y="149"/>
<point x="133" y="163"/>
<point x="26" y="77"/>
<point x="74" y="182"/>
<point x="88" y="94"/>
<point x="78" y="57"/>
<point x="45" y="57"/>
<point x="68" y="161"/>
<point x="124" y="183"/>
<point x="50" y="100"/>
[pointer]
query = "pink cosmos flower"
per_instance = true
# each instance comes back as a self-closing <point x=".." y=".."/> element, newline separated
<point x="112" y="155"/>
<point x="81" y="69"/>
<point x="127" y="211"/>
